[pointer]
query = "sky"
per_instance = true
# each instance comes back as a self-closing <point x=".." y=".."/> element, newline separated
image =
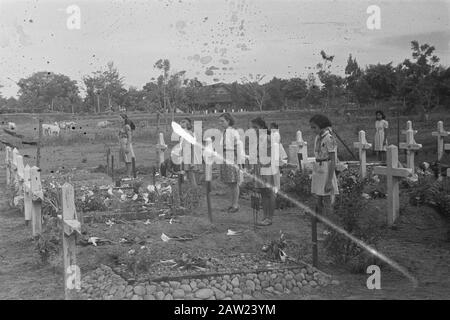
<point x="213" y="40"/>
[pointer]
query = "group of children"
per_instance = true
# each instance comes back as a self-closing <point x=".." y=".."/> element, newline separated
<point x="324" y="183"/>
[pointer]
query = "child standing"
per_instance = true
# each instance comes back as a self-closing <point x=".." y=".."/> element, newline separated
<point x="381" y="126"/>
<point x="324" y="182"/>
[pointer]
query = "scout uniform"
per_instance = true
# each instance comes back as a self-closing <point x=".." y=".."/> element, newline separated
<point x="323" y="145"/>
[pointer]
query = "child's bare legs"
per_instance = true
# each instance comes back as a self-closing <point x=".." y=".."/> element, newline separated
<point x="234" y="189"/>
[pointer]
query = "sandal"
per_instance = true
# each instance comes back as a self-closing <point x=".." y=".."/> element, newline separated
<point x="227" y="209"/>
<point x="233" y="210"/>
<point x="265" y="222"/>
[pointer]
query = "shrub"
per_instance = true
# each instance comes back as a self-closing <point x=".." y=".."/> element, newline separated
<point x="349" y="210"/>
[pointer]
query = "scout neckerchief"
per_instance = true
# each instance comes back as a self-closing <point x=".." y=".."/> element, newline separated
<point x="323" y="133"/>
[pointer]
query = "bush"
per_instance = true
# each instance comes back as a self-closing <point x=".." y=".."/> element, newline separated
<point x="349" y="210"/>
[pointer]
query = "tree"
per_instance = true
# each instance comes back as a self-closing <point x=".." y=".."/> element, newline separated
<point x="254" y="89"/>
<point x="48" y="91"/>
<point x="420" y="76"/>
<point x="331" y="83"/>
<point x="104" y="88"/>
<point x="170" y="85"/>
<point x="295" y="89"/>
<point x="353" y="75"/>
<point x="313" y="94"/>
<point x="382" y="80"/>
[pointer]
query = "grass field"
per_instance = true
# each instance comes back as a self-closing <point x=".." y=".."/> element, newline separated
<point x="86" y="146"/>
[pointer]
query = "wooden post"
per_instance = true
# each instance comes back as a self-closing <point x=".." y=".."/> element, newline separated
<point x="209" y="159"/>
<point x="71" y="226"/>
<point x="160" y="148"/>
<point x="133" y="166"/>
<point x="393" y="174"/>
<point x="362" y="145"/>
<point x="15" y="154"/>
<point x="8" y="165"/>
<point x="27" y="198"/>
<point x="440" y="134"/>
<point x="315" y="255"/>
<point x="108" y="155"/>
<point x="302" y="153"/>
<point x="112" y="168"/>
<point x="39" y="145"/>
<point x="36" y="197"/>
<point x="20" y="175"/>
<point x="411" y="146"/>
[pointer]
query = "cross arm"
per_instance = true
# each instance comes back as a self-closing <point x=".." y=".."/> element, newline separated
<point x="396" y="172"/>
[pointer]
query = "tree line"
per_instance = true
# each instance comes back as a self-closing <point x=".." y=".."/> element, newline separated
<point x="419" y="82"/>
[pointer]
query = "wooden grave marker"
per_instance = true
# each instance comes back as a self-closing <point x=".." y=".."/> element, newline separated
<point x="8" y="165"/>
<point x="160" y="148"/>
<point x="209" y="160"/>
<point x="27" y="199"/>
<point x="19" y="177"/>
<point x="37" y="196"/>
<point x="393" y="174"/>
<point x="411" y="146"/>
<point x="362" y="145"/>
<point x="441" y="134"/>
<point x="71" y="226"/>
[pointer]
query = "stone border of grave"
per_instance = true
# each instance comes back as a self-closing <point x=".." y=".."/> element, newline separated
<point x="104" y="284"/>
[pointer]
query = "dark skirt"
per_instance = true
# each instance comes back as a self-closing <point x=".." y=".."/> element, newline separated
<point x="229" y="173"/>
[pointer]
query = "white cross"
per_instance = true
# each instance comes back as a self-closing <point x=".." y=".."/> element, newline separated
<point x="410" y="145"/>
<point x="161" y="147"/>
<point x="440" y="134"/>
<point x="393" y="174"/>
<point x="362" y="145"/>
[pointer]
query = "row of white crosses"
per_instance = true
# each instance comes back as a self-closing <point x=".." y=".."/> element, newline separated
<point x="28" y="181"/>
<point x="411" y="146"/>
<point x="394" y="174"/>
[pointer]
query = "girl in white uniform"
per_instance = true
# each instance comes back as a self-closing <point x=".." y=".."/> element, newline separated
<point x="324" y="182"/>
<point x="381" y="126"/>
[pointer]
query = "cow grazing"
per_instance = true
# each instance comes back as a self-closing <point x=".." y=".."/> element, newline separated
<point x="51" y="129"/>
<point x="103" y="124"/>
<point x="11" y="126"/>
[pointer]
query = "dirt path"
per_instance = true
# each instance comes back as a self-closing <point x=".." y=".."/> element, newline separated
<point x="21" y="275"/>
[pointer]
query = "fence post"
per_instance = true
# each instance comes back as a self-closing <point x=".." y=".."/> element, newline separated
<point x="8" y="165"/>
<point x="38" y="151"/>
<point x="27" y="202"/>
<point x="20" y="176"/>
<point x="208" y="175"/>
<point x="36" y="198"/>
<point x="71" y="226"/>
<point x="108" y="155"/>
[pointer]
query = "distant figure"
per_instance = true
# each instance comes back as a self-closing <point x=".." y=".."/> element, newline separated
<point x="380" y="144"/>
<point x="126" y="153"/>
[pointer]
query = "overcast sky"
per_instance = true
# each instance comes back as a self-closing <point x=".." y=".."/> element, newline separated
<point x="214" y="40"/>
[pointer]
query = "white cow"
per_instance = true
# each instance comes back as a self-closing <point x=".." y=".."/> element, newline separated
<point x="103" y="124"/>
<point x="11" y="126"/>
<point x="51" y="129"/>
